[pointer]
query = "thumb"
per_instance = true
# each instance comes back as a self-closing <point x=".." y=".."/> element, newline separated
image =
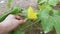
<point x="21" y="21"/>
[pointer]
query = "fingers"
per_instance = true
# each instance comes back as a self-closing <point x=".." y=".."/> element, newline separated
<point x="21" y="21"/>
<point x="11" y="22"/>
<point x="10" y="16"/>
<point x="17" y="18"/>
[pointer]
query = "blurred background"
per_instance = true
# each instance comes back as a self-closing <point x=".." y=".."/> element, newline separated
<point x="36" y="29"/>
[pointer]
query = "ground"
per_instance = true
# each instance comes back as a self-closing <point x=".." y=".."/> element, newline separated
<point x="20" y="3"/>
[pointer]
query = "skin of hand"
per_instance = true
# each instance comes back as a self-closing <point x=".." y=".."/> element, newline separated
<point x="10" y="23"/>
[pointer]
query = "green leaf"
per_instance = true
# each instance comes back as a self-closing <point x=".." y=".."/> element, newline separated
<point x="53" y="2"/>
<point x="41" y="1"/>
<point x="45" y="6"/>
<point x="50" y="2"/>
<point x="49" y="21"/>
<point x="47" y="24"/>
<point x="56" y="12"/>
<point x="56" y="17"/>
<point x="44" y="10"/>
<point x="57" y="24"/>
<point x="16" y="32"/>
<point x="46" y="20"/>
<point x="15" y="10"/>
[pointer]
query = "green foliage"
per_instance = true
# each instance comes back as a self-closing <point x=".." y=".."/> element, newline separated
<point x="51" y="2"/>
<point x="46" y="14"/>
<point x="46" y="19"/>
<point x="16" y="32"/>
<point x="15" y="10"/>
<point x="49" y="17"/>
<point x="56" y="20"/>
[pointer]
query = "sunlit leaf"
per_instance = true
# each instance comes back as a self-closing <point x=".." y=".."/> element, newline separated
<point x="53" y="2"/>
<point x="56" y="21"/>
<point x="46" y="20"/>
<point x="57" y="24"/>
<point x="41" y="1"/>
<point x="56" y="12"/>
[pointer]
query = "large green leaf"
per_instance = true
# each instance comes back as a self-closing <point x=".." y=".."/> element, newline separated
<point x="47" y="24"/>
<point x="41" y="1"/>
<point x="57" y="24"/>
<point x="53" y="2"/>
<point x="46" y="19"/>
<point x="44" y="11"/>
<point x="56" y="19"/>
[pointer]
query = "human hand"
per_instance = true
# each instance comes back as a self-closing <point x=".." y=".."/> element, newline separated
<point x="11" y="22"/>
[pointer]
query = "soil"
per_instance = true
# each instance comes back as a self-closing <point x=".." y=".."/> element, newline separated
<point x="25" y="4"/>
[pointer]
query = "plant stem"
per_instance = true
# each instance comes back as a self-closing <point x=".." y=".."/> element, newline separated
<point x="31" y="24"/>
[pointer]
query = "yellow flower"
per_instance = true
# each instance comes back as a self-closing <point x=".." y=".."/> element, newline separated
<point x="31" y="13"/>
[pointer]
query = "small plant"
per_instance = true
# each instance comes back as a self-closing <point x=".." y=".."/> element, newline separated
<point x="48" y="16"/>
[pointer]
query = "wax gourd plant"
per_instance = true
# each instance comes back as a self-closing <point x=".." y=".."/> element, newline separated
<point x="48" y="16"/>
